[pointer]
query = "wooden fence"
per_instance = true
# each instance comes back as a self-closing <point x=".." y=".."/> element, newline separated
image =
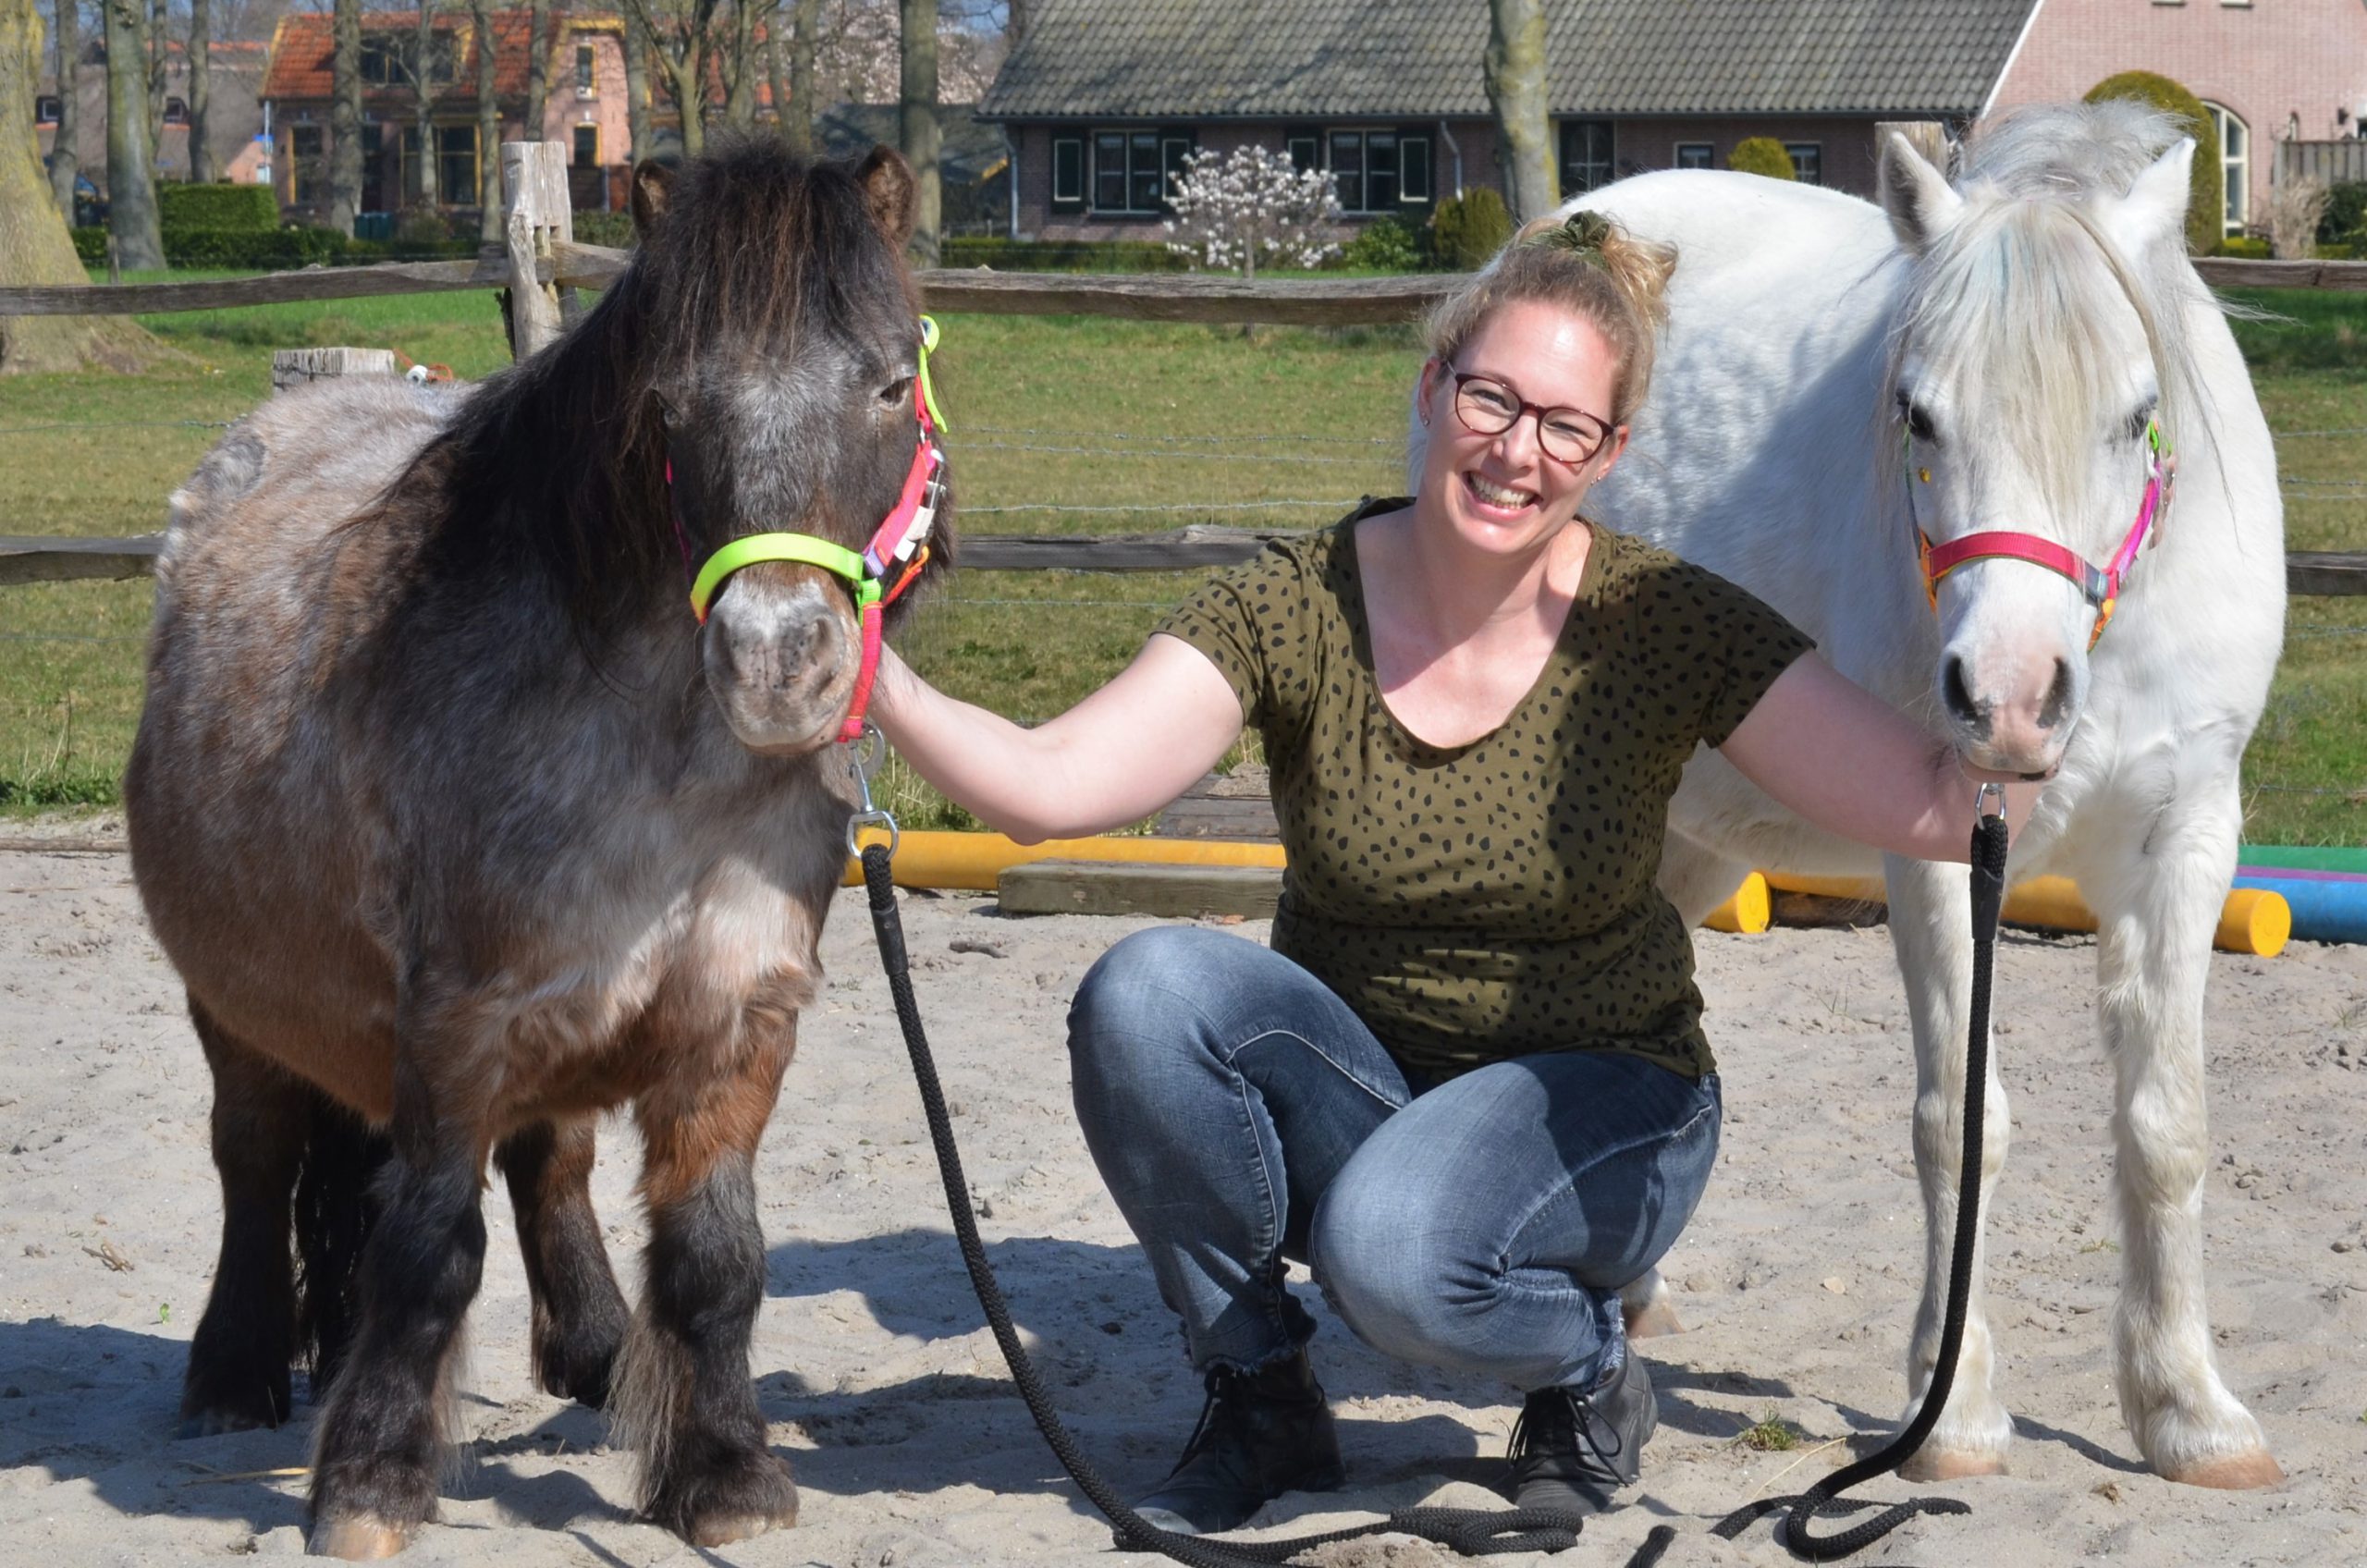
<point x="540" y="267"/>
<point x="2336" y="163"/>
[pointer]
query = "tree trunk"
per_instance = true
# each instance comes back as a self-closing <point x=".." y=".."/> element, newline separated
<point x="423" y="81"/>
<point x="917" y="106"/>
<point x="1014" y="31"/>
<point x="682" y="75"/>
<point x="158" y="38"/>
<point x="797" y="114"/>
<point x="345" y="115"/>
<point x="1515" y="74"/>
<point x="131" y="159"/>
<point x="490" y="228"/>
<point x="636" y="85"/>
<point x="739" y="64"/>
<point x="34" y="246"/>
<point x="538" y="67"/>
<point x="65" y="163"/>
<point x="202" y="169"/>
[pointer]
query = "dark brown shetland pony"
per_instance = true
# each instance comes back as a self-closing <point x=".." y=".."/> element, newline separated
<point x="457" y="825"/>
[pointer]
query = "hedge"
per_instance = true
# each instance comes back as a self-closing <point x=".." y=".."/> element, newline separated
<point x="251" y="208"/>
<point x="612" y="229"/>
<point x="91" y="244"/>
<point x="1467" y="230"/>
<point x="271" y="250"/>
<point x="2206" y="202"/>
<point x="1061" y="256"/>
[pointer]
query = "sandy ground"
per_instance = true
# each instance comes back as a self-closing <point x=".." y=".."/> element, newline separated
<point x="885" y="1392"/>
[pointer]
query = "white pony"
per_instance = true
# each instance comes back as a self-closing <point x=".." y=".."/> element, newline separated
<point x="1968" y="359"/>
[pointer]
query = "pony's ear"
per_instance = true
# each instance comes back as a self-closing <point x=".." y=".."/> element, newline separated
<point x="890" y="190"/>
<point x="2155" y="209"/>
<point x="1920" y="203"/>
<point x="652" y="183"/>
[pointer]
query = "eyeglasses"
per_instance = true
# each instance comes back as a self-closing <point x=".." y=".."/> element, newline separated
<point x="1488" y="407"/>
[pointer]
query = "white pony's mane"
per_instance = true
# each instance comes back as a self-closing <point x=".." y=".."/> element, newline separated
<point x="2013" y="281"/>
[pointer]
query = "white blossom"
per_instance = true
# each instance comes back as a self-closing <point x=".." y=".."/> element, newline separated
<point x="1249" y="206"/>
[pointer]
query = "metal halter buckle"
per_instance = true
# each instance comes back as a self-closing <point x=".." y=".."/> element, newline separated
<point x="865" y="755"/>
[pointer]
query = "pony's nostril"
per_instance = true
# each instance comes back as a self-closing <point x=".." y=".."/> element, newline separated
<point x="1957" y="695"/>
<point x="2058" y="697"/>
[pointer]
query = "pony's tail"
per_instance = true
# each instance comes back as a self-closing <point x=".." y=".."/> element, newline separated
<point x="336" y="1211"/>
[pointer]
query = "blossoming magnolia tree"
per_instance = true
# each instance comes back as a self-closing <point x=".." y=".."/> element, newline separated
<point x="1249" y="205"/>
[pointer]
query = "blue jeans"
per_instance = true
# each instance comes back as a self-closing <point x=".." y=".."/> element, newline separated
<point x="1242" y="1115"/>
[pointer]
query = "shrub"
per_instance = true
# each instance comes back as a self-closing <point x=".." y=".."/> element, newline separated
<point x="1249" y="205"/>
<point x="2244" y="247"/>
<point x="274" y="251"/>
<point x="1762" y="156"/>
<point x="1385" y="245"/>
<point x="612" y="229"/>
<point x="252" y="208"/>
<point x="1467" y="229"/>
<point x="1059" y="255"/>
<point x="420" y="227"/>
<point x="91" y="244"/>
<point x="2206" y="203"/>
<point x="2345" y="215"/>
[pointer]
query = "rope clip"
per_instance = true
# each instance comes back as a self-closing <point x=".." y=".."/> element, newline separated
<point x="864" y="756"/>
<point x="1988" y="800"/>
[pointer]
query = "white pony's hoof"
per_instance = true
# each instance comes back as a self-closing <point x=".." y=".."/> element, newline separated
<point x="2229" y="1472"/>
<point x="1654" y="1319"/>
<point x="1932" y="1462"/>
<point x="358" y="1537"/>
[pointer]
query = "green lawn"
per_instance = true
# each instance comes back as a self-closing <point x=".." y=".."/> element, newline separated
<point x="1138" y="425"/>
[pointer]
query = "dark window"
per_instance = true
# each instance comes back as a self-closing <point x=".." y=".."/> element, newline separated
<point x="1413" y="168"/>
<point x="304" y="158"/>
<point x="1696" y="156"/>
<point x="456" y="163"/>
<point x="387" y="58"/>
<point x="1807" y="161"/>
<point x="1068" y="171"/>
<point x="1306" y="151"/>
<point x="1174" y="161"/>
<point x="47" y="109"/>
<point x="1348" y="169"/>
<point x="587" y="146"/>
<point x="586" y="80"/>
<point x="1586" y="155"/>
<point x="382" y="61"/>
<point x="1130" y="169"/>
<point x="176" y="111"/>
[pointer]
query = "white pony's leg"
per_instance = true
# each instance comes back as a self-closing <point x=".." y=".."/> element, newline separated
<point x="2157" y="902"/>
<point x="1697" y="880"/>
<point x="1931" y="927"/>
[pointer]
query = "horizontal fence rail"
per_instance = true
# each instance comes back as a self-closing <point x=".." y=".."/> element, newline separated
<point x="38" y="558"/>
<point x="1189" y="297"/>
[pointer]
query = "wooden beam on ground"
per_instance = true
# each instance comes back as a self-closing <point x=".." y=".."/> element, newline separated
<point x="38" y="559"/>
<point x="2230" y="272"/>
<point x="1079" y="887"/>
<point x="2329" y="572"/>
<point x="278" y="289"/>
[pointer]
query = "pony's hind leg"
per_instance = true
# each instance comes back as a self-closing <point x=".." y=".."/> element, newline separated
<point x="1932" y="934"/>
<point x="580" y="1315"/>
<point x="382" y="1434"/>
<point x="682" y="1395"/>
<point x="238" y="1360"/>
<point x="2157" y="902"/>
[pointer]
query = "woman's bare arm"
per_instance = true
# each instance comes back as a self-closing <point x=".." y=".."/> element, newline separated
<point x="1851" y="763"/>
<point x="1117" y="756"/>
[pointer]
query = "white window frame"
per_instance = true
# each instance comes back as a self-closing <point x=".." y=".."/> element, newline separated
<point x="2234" y="167"/>
<point x="1708" y="150"/>
<point x="1074" y="195"/>
<point x="1563" y="165"/>
<point x="55" y="104"/>
<point x="1138" y="139"/>
<point x="1815" y="149"/>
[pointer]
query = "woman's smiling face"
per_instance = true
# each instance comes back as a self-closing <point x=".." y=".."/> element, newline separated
<point x="1503" y="494"/>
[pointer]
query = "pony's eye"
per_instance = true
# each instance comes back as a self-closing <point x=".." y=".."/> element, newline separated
<point x="1918" y="423"/>
<point x="894" y="394"/>
<point x="2138" y="421"/>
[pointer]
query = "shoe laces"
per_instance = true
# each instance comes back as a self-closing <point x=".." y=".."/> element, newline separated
<point x="1544" y="1437"/>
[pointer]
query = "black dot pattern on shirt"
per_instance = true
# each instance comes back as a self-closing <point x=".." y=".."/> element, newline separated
<point x="1497" y="899"/>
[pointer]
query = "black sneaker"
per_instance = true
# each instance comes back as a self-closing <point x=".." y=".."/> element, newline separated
<point x="1570" y="1450"/>
<point x="1261" y="1434"/>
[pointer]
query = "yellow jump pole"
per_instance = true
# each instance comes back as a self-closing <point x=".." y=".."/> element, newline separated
<point x="2253" y="920"/>
<point x="973" y="861"/>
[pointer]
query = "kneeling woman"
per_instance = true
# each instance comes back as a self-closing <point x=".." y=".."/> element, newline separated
<point x="1467" y="1083"/>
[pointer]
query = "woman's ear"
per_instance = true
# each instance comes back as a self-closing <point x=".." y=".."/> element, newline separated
<point x="1433" y="376"/>
<point x="1611" y="453"/>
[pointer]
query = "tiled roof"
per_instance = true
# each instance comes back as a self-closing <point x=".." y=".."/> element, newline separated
<point x="301" y="48"/>
<point x="1906" y="58"/>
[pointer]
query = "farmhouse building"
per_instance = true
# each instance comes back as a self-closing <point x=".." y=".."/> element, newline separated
<point x="584" y="108"/>
<point x="1103" y="99"/>
<point x="233" y="120"/>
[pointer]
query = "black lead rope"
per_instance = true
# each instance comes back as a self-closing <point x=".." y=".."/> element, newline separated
<point x="1469" y="1532"/>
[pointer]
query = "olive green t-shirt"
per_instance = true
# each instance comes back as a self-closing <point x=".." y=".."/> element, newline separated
<point x="1493" y="900"/>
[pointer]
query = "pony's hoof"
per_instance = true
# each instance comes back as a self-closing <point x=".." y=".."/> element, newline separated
<point x="1655" y="1319"/>
<point x="1929" y="1464"/>
<point x="756" y="1495"/>
<point x="213" y="1422"/>
<point x="358" y="1537"/>
<point x="2231" y="1473"/>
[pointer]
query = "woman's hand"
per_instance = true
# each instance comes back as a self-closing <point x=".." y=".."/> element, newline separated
<point x="1117" y="756"/>
<point x="1848" y="762"/>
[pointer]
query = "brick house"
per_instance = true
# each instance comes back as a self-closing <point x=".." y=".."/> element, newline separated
<point x="1103" y="98"/>
<point x="233" y="119"/>
<point x="2280" y="70"/>
<point x="584" y="108"/>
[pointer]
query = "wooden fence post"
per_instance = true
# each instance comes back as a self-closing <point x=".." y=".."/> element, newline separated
<point x="535" y="196"/>
<point x="299" y="367"/>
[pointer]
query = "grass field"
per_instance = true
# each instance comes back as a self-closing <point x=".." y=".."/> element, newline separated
<point x="1058" y="426"/>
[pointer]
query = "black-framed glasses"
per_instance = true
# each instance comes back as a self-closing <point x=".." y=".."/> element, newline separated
<point x="1488" y="407"/>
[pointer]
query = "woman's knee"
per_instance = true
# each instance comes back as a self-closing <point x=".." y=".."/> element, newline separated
<point x="1397" y="1277"/>
<point x="1137" y="1014"/>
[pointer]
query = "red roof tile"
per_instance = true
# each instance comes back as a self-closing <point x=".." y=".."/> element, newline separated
<point x="301" y="48"/>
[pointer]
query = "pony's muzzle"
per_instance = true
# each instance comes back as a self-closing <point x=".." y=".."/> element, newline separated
<point x="780" y="651"/>
<point x="2015" y="716"/>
